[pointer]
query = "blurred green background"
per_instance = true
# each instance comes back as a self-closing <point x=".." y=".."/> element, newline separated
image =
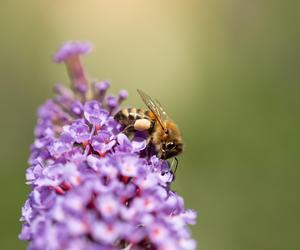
<point x="226" y="71"/>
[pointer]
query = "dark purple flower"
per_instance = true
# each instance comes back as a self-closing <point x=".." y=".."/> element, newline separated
<point x="94" y="114"/>
<point x="93" y="188"/>
<point x="79" y="131"/>
<point x="125" y="145"/>
<point x="102" y="142"/>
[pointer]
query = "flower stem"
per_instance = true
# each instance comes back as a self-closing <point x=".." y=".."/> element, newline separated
<point x="77" y="74"/>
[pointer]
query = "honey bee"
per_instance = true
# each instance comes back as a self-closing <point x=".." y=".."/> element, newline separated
<point x="164" y="134"/>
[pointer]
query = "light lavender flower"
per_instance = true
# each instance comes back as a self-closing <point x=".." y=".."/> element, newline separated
<point x="92" y="187"/>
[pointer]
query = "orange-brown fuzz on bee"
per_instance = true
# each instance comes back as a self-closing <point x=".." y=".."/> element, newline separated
<point x="151" y="115"/>
<point x="173" y="134"/>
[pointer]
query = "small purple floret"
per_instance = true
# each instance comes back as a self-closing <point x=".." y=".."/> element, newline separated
<point x="123" y="94"/>
<point x="79" y="131"/>
<point x="102" y="86"/>
<point x="70" y="49"/>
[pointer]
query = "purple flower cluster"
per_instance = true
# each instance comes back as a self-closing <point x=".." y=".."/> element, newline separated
<point x="92" y="186"/>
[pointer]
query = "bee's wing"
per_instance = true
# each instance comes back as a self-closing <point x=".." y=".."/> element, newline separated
<point x="155" y="107"/>
<point x="162" y="113"/>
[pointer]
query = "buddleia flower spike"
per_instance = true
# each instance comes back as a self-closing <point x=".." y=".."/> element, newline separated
<point x="91" y="186"/>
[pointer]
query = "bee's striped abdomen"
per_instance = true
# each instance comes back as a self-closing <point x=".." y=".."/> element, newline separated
<point x="134" y="113"/>
<point x="130" y="115"/>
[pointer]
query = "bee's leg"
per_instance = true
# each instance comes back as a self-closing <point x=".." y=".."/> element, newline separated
<point x="128" y="129"/>
<point x="149" y="141"/>
<point x="176" y="165"/>
<point x="175" y="169"/>
<point x="149" y="147"/>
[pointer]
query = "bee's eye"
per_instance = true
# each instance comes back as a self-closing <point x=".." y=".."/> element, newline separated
<point x="170" y="145"/>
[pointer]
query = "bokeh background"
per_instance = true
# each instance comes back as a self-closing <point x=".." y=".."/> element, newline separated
<point x="226" y="71"/>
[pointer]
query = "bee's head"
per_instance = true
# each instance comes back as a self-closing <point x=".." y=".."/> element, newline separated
<point x="170" y="149"/>
<point x="171" y="144"/>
